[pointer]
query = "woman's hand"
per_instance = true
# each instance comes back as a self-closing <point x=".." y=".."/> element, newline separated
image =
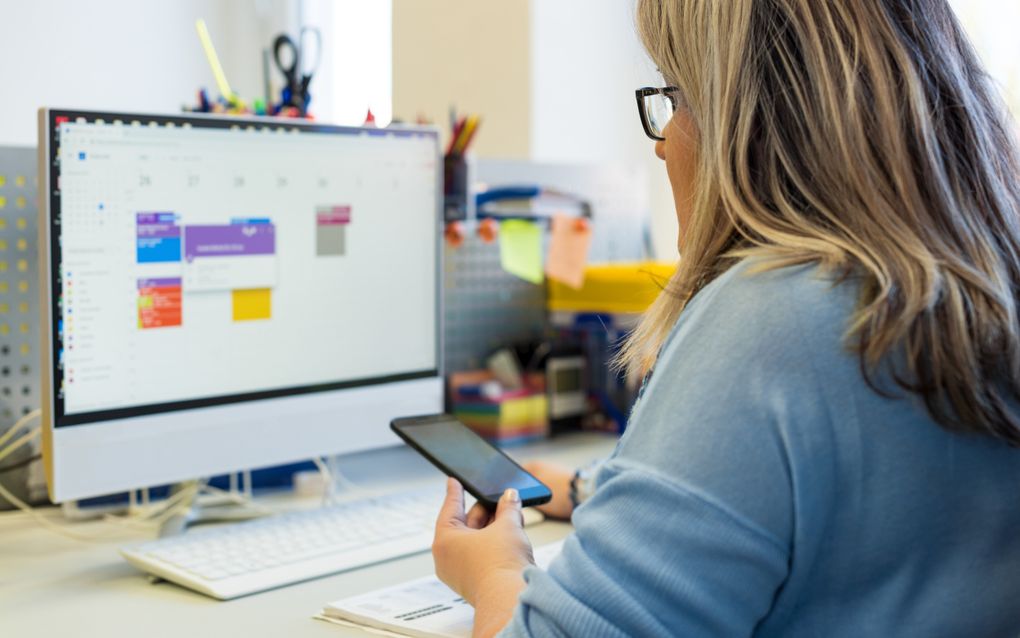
<point x="482" y="556"/>
<point x="557" y="478"/>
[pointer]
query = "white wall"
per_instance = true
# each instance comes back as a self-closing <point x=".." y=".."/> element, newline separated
<point x="125" y="55"/>
<point x="586" y="63"/>
<point x="471" y="55"/>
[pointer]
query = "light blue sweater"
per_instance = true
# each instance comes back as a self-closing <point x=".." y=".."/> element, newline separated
<point x="763" y="489"/>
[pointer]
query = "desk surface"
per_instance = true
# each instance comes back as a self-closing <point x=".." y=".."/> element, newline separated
<point x="54" y="586"/>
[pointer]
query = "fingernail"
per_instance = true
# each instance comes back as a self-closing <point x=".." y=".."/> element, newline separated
<point x="511" y="495"/>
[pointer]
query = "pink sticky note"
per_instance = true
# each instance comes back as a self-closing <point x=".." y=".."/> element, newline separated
<point x="568" y="250"/>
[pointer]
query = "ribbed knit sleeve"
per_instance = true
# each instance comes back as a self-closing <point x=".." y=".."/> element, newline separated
<point x="622" y="574"/>
<point x="763" y="488"/>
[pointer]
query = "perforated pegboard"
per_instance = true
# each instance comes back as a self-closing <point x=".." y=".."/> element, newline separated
<point x="484" y="306"/>
<point x="19" y="298"/>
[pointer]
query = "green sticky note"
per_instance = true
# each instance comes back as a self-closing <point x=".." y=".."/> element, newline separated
<point x="520" y="249"/>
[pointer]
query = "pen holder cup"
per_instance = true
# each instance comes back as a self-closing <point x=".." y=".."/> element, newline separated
<point x="455" y="188"/>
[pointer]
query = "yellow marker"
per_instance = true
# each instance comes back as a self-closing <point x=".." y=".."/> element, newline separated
<point x="3" y="222"/>
<point x="22" y="223"/>
<point x="3" y="287"/>
<point x="23" y="307"/>
<point x="4" y="308"/>
<point x="19" y="180"/>
<point x="214" y="61"/>
<point x="3" y="201"/>
<point x="25" y="349"/>
<point x="4" y="329"/>
<point x="23" y="328"/>
<point x="22" y="244"/>
<point x="3" y="180"/>
<point x="21" y="202"/>
<point x="22" y="265"/>
<point x="23" y="286"/>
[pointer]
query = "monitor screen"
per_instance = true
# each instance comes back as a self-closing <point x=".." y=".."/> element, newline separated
<point x="204" y="261"/>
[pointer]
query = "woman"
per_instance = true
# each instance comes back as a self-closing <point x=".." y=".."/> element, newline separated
<point x="828" y="443"/>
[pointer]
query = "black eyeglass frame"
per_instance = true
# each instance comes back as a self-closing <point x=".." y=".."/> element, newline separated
<point x="671" y="92"/>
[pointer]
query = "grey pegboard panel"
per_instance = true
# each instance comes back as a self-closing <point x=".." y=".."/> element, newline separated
<point x="484" y="306"/>
<point x="19" y="300"/>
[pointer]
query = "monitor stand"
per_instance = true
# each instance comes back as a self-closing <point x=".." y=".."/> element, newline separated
<point x="206" y="505"/>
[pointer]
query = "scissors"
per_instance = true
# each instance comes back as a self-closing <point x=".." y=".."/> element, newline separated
<point x="298" y="72"/>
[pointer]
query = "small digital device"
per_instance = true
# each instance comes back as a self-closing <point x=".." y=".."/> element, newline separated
<point x="483" y="470"/>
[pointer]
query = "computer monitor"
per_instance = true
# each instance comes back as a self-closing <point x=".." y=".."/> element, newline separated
<point x="222" y="294"/>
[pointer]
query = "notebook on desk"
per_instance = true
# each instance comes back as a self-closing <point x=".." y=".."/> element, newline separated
<point x="423" y="607"/>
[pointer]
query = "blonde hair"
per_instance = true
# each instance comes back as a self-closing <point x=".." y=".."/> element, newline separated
<point x="864" y="136"/>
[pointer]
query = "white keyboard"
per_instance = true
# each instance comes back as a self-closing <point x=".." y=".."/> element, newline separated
<point x="234" y="560"/>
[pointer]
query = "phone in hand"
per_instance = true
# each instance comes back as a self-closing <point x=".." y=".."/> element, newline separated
<point x="483" y="470"/>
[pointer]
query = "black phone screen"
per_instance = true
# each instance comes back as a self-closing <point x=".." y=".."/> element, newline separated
<point x="469" y="457"/>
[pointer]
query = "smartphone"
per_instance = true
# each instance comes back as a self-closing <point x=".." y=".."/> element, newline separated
<point x="483" y="470"/>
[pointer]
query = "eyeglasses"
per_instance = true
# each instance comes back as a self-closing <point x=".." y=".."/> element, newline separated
<point x="656" y="107"/>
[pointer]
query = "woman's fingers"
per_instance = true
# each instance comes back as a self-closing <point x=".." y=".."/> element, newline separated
<point x="509" y="508"/>
<point x="452" y="511"/>
<point x="478" y="516"/>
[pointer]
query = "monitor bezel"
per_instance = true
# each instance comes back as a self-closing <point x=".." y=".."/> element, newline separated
<point x="49" y="225"/>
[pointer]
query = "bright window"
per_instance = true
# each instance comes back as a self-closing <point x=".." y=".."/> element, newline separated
<point x="356" y="72"/>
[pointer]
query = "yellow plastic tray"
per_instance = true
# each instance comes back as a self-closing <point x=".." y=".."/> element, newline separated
<point x="612" y="288"/>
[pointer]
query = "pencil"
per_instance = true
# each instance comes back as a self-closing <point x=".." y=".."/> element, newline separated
<point x="454" y="135"/>
<point x="469" y="135"/>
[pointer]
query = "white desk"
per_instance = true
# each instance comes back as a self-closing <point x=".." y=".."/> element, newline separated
<point x="55" y="586"/>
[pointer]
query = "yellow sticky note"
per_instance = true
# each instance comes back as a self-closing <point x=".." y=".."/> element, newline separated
<point x="520" y="249"/>
<point x="569" y="240"/>
<point x="249" y="305"/>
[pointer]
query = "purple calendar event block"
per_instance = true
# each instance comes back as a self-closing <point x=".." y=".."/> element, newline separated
<point x="229" y="240"/>
<point x="158" y="238"/>
<point x="162" y="282"/>
<point x="157" y="225"/>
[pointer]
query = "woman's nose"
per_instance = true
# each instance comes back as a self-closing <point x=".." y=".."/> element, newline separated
<point x="660" y="149"/>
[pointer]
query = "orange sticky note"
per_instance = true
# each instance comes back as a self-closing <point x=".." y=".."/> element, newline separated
<point x="568" y="250"/>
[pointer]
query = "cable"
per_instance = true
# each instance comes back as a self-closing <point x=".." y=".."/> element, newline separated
<point x="20" y="464"/>
<point x="6" y="436"/>
<point x="18" y="443"/>
<point x="240" y="499"/>
<point x="42" y="520"/>
<point x="327" y="476"/>
<point x="180" y="501"/>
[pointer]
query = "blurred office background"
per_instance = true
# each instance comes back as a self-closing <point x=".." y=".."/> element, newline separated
<point x="553" y="80"/>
